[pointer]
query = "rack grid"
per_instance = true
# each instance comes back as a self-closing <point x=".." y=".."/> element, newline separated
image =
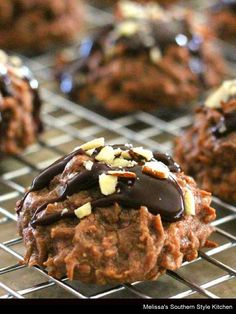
<point x="67" y="125"/>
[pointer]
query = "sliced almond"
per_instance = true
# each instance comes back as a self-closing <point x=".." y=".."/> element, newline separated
<point x="127" y="28"/>
<point x="107" y="184"/>
<point x="122" y="163"/>
<point x="156" y="169"/>
<point x="117" y="151"/>
<point x="3" y="57"/>
<point x="106" y="154"/>
<point x="155" y="55"/>
<point x="189" y="202"/>
<point x="122" y="174"/>
<point x="97" y="142"/>
<point x="146" y="153"/>
<point x="125" y="154"/>
<point x="222" y="94"/>
<point x="64" y="211"/>
<point x="90" y="151"/>
<point x="84" y="210"/>
<point x="88" y="164"/>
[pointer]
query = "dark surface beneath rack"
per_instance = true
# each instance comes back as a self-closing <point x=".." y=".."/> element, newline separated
<point x="67" y="125"/>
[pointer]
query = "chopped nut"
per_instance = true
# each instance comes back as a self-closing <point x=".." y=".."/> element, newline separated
<point x="3" y="57"/>
<point x="90" y="151"/>
<point x="222" y="94"/>
<point x="122" y="174"/>
<point x="125" y="154"/>
<point x="107" y="184"/>
<point x="146" y="153"/>
<point x="88" y="164"/>
<point x="117" y="151"/>
<point x="84" y="210"/>
<point x="156" y="169"/>
<point x="64" y="211"/>
<point x="122" y="163"/>
<point x="189" y="202"/>
<point x="97" y="142"/>
<point x="106" y="154"/>
<point x="127" y="28"/>
<point x="155" y="55"/>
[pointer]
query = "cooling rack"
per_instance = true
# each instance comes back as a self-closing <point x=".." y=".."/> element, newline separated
<point x="67" y="125"/>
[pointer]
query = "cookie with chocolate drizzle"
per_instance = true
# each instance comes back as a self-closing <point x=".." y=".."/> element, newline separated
<point x="19" y="105"/>
<point x="207" y="151"/>
<point x="146" y="63"/>
<point x="113" y="213"/>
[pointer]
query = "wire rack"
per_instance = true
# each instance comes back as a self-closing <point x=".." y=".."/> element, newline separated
<point x="67" y="125"/>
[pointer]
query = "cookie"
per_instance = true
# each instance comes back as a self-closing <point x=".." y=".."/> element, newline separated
<point x="37" y="25"/>
<point x="142" y="64"/>
<point x="207" y="150"/>
<point x="19" y="105"/>
<point x="112" y="214"/>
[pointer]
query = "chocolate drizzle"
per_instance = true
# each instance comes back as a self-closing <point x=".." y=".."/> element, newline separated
<point x="226" y="125"/>
<point x="160" y="196"/>
<point x="44" y="177"/>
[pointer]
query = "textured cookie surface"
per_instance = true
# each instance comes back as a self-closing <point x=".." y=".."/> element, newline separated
<point x="108" y="214"/>
<point x="207" y="151"/>
<point x="36" y="25"/>
<point x="145" y="63"/>
<point x="19" y="105"/>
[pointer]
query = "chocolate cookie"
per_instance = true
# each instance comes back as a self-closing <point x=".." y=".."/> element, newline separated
<point x="109" y="214"/>
<point x="36" y="25"/>
<point x="207" y="151"/>
<point x="19" y="105"/>
<point x="223" y="19"/>
<point x="142" y="64"/>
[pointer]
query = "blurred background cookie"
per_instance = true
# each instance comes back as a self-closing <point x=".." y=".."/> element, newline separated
<point x="157" y="59"/>
<point x="19" y="105"/>
<point x="36" y="25"/>
<point x="207" y="151"/>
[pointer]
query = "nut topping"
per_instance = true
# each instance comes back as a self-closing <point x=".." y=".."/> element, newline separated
<point x="88" y="165"/>
<point x="84" y="210"/>
<point x="156" y="169"/>
<point x="106" y="154"/>
<point x="123" y="174"/>
<point x="107" y="184"/>
<point x="189" y="202"/>
<point x="122" y="163"/>
<point x="97" y="142"/>
<point x="146" y="153"/>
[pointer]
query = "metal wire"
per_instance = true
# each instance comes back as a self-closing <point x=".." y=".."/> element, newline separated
<point x="71" y="124"/>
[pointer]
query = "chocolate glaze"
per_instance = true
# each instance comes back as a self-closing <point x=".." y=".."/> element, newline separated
<point x="44" y="177"/>
<point x="226" y="125"/>
<point x="160" y="196"/>
<point x="168" y="161"/>
<point x="159" y="34"/>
